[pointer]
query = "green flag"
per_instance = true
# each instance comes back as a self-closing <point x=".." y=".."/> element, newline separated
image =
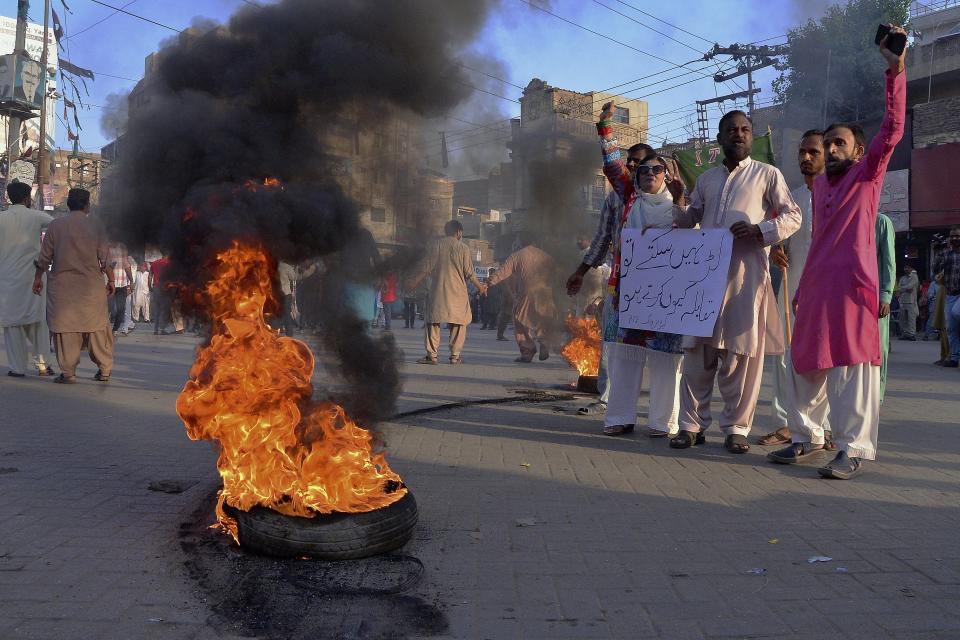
<point x="693" y="162"/>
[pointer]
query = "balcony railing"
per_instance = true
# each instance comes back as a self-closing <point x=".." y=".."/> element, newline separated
<point x="918" y="8"/>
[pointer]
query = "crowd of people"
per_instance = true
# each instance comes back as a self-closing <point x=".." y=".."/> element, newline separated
<point x="824" y="331"/>
<point x="822" y="326"/>
<point x="64" y="288"/>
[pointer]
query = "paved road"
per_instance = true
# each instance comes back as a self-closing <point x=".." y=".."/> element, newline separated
<point x="532" y="525"/>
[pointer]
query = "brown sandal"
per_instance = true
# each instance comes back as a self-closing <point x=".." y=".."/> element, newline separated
<point x="736" y="443"/>
<point x="780" y="436"/>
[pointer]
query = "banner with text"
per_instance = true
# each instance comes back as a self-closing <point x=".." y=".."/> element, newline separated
<point x="673" y="280"/>
<point x="693" y="162"/>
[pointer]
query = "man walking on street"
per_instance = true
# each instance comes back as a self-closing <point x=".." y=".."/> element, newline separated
<point x="836" y="351"/>
<point x="118" y="260"/>
<point x="450" y="266"/>
<point x="528" y="273"/>
<point x="21" y="314"/>
<point x="490" y="303"/>
<point x="141" y="294"/>
<point x="742" y="195"/>
<point x="907" y="295"/>
<point x="76" y="246"/>
<point x="948" y="263"/>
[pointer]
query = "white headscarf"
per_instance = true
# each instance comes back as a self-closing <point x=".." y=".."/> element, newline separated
<point x="651" y="210"/>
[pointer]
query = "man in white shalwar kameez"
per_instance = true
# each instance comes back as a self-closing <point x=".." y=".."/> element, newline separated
<point x="752" y="200"/>
<point x="21" y="312"/>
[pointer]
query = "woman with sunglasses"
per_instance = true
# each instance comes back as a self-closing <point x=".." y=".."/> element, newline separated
<point x="650" y="199"/>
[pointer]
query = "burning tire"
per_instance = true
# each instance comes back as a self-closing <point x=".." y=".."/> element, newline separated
<point x="337" y="536"/>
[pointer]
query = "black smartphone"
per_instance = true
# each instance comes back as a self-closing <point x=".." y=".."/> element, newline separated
<point x="897" y="42"/>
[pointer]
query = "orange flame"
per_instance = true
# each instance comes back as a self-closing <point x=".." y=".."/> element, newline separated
<point x="268" y="183"/>
<point x="583" y="349"/>
<point x="250" y="390"/>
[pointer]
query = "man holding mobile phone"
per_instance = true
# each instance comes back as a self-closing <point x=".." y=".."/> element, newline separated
<point x="836" y="352"/>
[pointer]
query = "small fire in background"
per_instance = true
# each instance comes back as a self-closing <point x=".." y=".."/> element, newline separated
<point x="582" y="351"/>
<point x="251" y="391"/>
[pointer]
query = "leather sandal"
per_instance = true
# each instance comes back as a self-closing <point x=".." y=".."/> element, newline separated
<point x="687" y="439"/>
<point x="780" y="436"/>
<point x="62" y="379"/>
<point x="736" y="443"/>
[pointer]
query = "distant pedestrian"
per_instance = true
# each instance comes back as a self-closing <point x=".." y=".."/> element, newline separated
<point x="119" y="260"/>
<point x="450" y="266"/>
<point x="529" y="274"/>
<point x="388" y="298"/>
<point x="939" y="321"/>
<point x="409" y="308"/>
<point x="140" y="311"/>
<point x="948" y="262"/>
<point x="21" y="314"/>
<point x="907" y="289"/>
<point x="76" y="246"/>
<point x="287" y="274"/>
<point x="159" y="294"/>
<point x="930" y="300"/>
<point x="490" y="304"/>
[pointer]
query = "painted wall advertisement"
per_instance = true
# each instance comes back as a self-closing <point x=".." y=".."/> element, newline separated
<point x="26" y="82"/>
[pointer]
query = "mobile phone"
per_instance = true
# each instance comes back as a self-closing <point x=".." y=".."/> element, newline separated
<point x="897" y="42"/>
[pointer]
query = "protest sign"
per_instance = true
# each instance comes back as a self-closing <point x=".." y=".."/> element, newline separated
<point x="673" y="280"/>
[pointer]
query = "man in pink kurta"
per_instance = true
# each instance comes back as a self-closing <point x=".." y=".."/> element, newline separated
<point x="836" y="347"/>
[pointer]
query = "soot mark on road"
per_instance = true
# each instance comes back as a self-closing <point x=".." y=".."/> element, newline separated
<point x="291" y="599"/>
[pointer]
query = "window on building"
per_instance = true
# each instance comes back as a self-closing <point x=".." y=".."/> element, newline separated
<point x="378" y="214"/>
<point x="621" y="115"/>
<point x="598" y="192"/>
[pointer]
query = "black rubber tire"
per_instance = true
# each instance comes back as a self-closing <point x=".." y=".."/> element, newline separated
<point x="337" y="536"/>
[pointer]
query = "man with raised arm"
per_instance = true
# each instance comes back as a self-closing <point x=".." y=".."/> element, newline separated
<point x="836" y="349"/>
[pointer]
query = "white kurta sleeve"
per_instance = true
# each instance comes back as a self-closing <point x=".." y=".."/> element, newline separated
<point x="777" y="198"/>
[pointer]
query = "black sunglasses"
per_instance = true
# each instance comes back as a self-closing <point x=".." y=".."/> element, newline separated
<point x="655" y="169"/>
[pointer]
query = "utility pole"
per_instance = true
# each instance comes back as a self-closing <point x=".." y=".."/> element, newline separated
<point x="13" y="137"/>
<point x="749" y="58"/>
<point x="43" y="170"/>
<point x="702" y="108"/>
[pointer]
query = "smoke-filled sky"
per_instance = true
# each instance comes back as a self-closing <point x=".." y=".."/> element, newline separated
<point x="518" y="42"/>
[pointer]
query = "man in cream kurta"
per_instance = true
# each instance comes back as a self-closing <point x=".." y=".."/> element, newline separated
<point x="21" y="312"/>
<point x="449" y="266"/>
<point x="76" y="246"/>
<point x="752" y="200"/>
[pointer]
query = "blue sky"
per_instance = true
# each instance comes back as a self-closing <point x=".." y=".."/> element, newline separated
<point x="527" y="42"/>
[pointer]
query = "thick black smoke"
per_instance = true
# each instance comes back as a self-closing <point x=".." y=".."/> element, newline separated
<point x="259" y="98"/>
<point x="113" y="117"/>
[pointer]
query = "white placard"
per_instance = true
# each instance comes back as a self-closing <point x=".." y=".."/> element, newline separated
<point x="673" y="280"/>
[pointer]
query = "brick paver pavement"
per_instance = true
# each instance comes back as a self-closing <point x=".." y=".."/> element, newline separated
<point x="532" y="524"/>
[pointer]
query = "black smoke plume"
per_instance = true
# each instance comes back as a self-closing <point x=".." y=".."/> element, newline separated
<point x="259" y="98"/>
<point x="113" y="117"/>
